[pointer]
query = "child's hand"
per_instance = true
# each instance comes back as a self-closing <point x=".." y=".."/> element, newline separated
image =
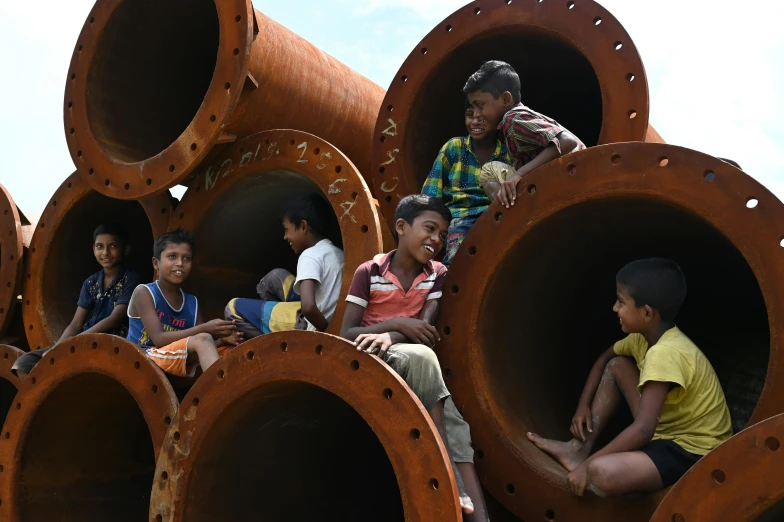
<point x="234" y="339"/>
<point x="578" y="479"/>
<point x="374" y="343"/>
<point x="418" y="331"/>
<point x="508" y="191"/>
<point x="581" y="422"/>
<point x="218" y="328"/>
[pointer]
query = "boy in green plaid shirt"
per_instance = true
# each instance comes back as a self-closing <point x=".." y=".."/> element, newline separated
<point x="454" y="177"/>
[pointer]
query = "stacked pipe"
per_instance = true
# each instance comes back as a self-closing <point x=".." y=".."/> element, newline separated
<point x="298" y="425"/>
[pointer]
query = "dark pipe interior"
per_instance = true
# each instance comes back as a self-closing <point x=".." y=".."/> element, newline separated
<point x="7" y="394"/>
<point x="773" y="514"/>
<point x="549" y="308"/>
<point x="557" y="80"/>
<point x="292" y="452"/>
<point x="150" y="72"/>
<point x="89" y="454"/>
<point x="240" y="238"/>
<point x="70" y="260"/>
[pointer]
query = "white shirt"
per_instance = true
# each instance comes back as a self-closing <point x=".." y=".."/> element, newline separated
<point x="323" y="263"/>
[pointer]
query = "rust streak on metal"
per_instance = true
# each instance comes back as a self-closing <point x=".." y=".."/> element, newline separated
<point x="589" y="77"/>
<point x="742" y="480"/>
<point x="60" y="256"/>
<point x="221" y="72"/>
<point x="84" y="433"/>
<point x="245" y="188"/>
<point x="301" y="424"/>
<point x="527" y="304"/>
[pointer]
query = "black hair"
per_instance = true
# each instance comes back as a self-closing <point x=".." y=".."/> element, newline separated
<point x="410" y="207"/>
<point x="495" y="77"/>
<point x="175" y="237"/>
<point x="311" y="208"/>
<point x="114" y="229"/>
<point x="656" y="282"/>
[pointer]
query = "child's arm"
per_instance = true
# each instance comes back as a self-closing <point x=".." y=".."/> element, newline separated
<point x="76" y="324"/>
<point x="400" y="329"/>
<point x="145" y="308"/>
<point x="307" y="293"/>
<point x="582" y="417"/>
<point x="115" y="319"/>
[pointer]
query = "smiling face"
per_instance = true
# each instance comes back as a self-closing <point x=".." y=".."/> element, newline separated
<point x="109" y="251"/>
<point x="175" y="263"/>
<point x="297" y="236"/>
<point x="487" y="107"/>
<point x="633" y="318"/>
<point x="477" y="127"/>
<point x="424" y="238"/>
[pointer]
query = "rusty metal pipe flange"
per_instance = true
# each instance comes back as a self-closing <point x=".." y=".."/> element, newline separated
<point x="742" y="480"/>
<point x="11" y="256"/>
<point x="8" y="381"/>
<point x="589" y="77"/>
<point x="153" y="87"/>
<point x="84" y="432"/>
<point x="294" y="425"/>
<point x="527" y="306"/>
<point x="245" y="188"/>
<point x="60" y="257"/>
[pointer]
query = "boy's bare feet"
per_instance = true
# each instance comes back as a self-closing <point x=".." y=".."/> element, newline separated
<point x="466" y="505"/>
<point x="569" y="454"/>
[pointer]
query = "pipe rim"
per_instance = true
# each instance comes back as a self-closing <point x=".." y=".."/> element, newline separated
<point x="622" y="168"/>
<point x="308" y="155"/>
<point x="12" y="250"/>
<point x="71" y="191"/>
<point x="391" y="166"/>
<point x="104" y="354"/>
<point x="330" y="363"/>
<point x="8" y="355"/>
<point x="737" y="481"/>
<point x="153" y="175"/>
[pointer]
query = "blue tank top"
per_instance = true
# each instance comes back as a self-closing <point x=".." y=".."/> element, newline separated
<point x="172" y="319"/>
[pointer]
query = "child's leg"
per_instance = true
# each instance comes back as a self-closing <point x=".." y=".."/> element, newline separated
<point x="621" y="473"/>
<point x="181" y="357"/>
<point x="204" y="348"/>
<point x="246" y="314"/>
<point x="620" y="379"/>
<point x="456" y="233"/>
<point x="25" y="364"/>
<point x="458" y="435"/>
<point x="419" y="366"/>
<point x="277" y="285"/>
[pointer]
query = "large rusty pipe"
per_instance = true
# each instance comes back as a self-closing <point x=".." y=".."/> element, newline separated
<point x="742" y="480"/>
<point x="527" y="306"/>
<point x="8" y="381"/>
<point x="83" y="434"/>
<point x="243" y="192"/>
<point x="11" y="256"/>
<point x="576" y="61"/>
<point x="60" y="257"/>
<point x="299" y="426"/>
<point x="153" y="87"/>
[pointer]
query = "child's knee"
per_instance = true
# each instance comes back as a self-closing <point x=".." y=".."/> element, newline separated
<point x="601" y="475"/>
<point x="200" y="341"/>
<point x="423" y="356"/>
<point x="619" y="364"/>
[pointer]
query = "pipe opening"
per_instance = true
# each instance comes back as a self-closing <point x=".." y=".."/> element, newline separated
<point x="291" y="452"/>
<point x="561" y="276"/>
<point x="229" y="262"/>
<point x="775" y="513"/>
<point x="70" y="259"/>
<point x="557" y="80"/>
<point x="7" y="394"/>
<point x="152" y="67"/>
<point x="88" y="453"/>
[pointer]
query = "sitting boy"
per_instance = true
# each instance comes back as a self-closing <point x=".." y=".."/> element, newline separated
<point x="393" y="301"/>
<point x="166" y="322"/>
<point x="532" y="139"/>
<point x="455" y="175"/>
<point x="106" y="294"/>
<point x="674" y="395"/>
<point x="308" y="301"/>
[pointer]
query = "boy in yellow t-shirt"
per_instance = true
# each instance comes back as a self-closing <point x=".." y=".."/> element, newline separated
<point x="679" y="409"/>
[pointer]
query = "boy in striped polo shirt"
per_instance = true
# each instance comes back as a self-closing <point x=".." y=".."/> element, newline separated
<point x="392" y="306"/>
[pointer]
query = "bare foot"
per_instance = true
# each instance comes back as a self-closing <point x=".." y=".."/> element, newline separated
<point x="466" y="505"/>
<point x="569" y="454"/>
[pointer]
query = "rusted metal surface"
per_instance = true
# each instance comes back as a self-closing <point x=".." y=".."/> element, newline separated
<point x="742" y="480"/>
<point x="8" y="381"/>
<point x="527" y="305"/>
<point x="11" y="256"/>
<point x="244" y="190"/>
<point x="60" y="257"/>
<point x="83" y="434"/>
<point x="300" y="426"/>
<point x="588" y="76"/>
<point x="153" y="87"/>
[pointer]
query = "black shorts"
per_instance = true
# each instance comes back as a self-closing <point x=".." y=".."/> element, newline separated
<point x="671" y="460"/>
<point x="27" y="362"/>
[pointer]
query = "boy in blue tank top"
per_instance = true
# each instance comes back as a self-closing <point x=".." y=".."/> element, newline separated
<point x="165" y="321"/>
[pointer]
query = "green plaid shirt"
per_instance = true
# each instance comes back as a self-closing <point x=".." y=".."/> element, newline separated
<point x="455" y="177"/>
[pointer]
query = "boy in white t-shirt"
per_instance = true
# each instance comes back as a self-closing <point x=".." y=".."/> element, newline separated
<point x="304" y="302"/>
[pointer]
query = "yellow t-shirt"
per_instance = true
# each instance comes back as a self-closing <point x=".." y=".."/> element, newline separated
<point x="695" y="414"/>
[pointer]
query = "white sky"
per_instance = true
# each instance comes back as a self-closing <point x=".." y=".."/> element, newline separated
<point x="715" y="71"/>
